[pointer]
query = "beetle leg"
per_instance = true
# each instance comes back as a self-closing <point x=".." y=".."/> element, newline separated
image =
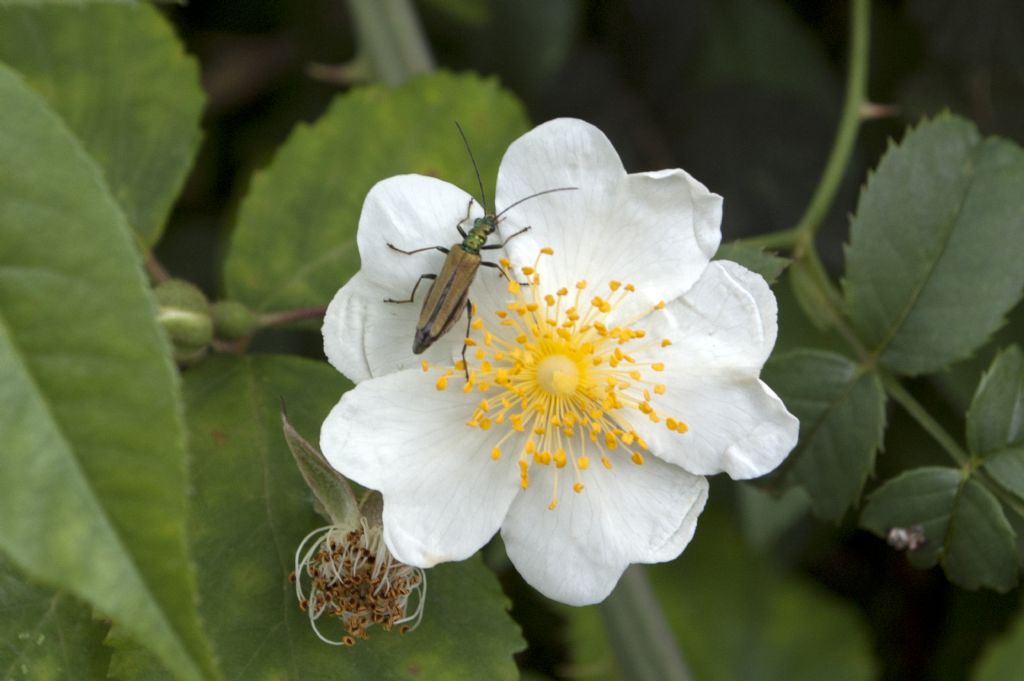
<point x="501" y="271"/>
<point x="418" y="250"/>
<point x="412" y="295"/>
<point x="458" y="225"/>
<point x="469" y="324"/>
<point x="494" y="247"/>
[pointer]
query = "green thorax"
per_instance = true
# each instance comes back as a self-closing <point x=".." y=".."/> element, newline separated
<point x="478" y="233"/>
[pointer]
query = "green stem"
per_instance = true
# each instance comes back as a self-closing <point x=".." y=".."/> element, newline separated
<point x="643" y="644"/>
<point x="917" y="411"/>
<point x="785" y="238"/>
<point x="391" y="39"/>
<point x="849" y="123"/>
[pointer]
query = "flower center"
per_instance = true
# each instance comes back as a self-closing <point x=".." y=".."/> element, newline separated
<point x="558" y="375"/>
<point x="561" y="380"/>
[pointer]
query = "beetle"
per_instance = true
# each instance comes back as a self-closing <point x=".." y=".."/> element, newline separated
<point x="449" y="293"/>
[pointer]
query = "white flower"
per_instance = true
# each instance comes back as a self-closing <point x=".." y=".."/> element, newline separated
<point x="599" y="395"/>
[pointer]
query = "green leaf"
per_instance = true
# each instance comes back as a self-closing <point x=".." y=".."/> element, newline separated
<point x="963" y="525"/>
<point x="333" y="492"/>
<point x="1007" y="468"/>
<point x="995" y="420"/>
<point x="92" y="496"/>
<point x="250" y="511"/>
<point x="841" y="408"/>
<point x="122" y="82"/>
<point x="1001" y="661"/>
<point x="295" y="242"/>
<point x="755" y="259"/>
<point x="933" y="264"/>
<point x="47" y="635"/>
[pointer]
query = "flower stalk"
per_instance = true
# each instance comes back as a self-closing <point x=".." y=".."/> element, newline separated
<point x="643" y="643"/>
<point x="391" y="39"/>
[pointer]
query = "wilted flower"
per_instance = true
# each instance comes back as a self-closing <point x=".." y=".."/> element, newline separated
<point x="610" y="369"/>
<point x="352" y="576"/>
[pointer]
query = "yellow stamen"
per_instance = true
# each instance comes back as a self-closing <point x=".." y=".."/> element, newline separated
<point x="561" y="382"/>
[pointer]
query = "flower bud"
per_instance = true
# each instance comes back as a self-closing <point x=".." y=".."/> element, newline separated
<point x="232" y="320"/>
<point x="185" y="315"/>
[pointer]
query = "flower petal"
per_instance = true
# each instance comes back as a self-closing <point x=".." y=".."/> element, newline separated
<point x="728" y="319"/>
<point x="736" y="424"/>
<point x="365" y="336"/>
<point x="721" y="331"/>
<point x="444" y="497"/>
<point x="629" y="514"/>
<point x="656" y="230"/>
<point x="410" y="212"/>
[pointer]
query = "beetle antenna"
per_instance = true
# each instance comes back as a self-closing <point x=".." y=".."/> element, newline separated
<point x="533" y="196"/>
<point x="483" y="195"/>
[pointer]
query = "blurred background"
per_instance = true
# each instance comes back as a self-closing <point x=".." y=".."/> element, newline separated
<point x="745" y="95"/>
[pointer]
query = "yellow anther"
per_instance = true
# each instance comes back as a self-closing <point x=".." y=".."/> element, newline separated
<point x="665" y="342"/>
<point x="614" y="285"/>
<point x="425" y="364"/>
<point x="581" y="284"/>
<point x="553" y="505"/>
<point x="484" y="405"/>
<point x="578" y="487"/>
<point x="659" y="389"/>
<point x="480" y="353"/>
<point x="547" y="250"/>
<point x="496" y="453"/>
<point x="562" y="291"/>
<point x="442" y="382"/>
<point x="637" y="458"/>
<point x="606" y="463"/>
<point x="527" y="270"/>
<point x="505" y="262"/>
<point x="513" y="286"/>
<point x="630" y="288"/>
<point x="560" y="458"/>
<point x="583" y="462"/>
<point x="658" y="366"/>
<point x="660" y="305"/>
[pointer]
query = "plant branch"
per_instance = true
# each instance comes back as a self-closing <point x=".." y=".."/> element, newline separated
<point x="391" y="39"/>
<point x="642" y="641"/>
<point x="157" y="272"/>
<point x="296" y="315"/>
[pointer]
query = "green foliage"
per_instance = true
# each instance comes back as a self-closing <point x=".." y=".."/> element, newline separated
<point x="736" y="618"/>
<point x="963" y="525"/>
<point x="250" y="511"/>
<point x="92" y="497"/>
<point x="47" y="635"/>
<point x="1001" y="660"/>
<point x="122" y="83"/>
<point x="995" y="421"/>
<point x="933" y="264"/>
<point x="736" y="50"/>
<point x="304" y="208"/>
<point x="765" y="263"/>
<point x="841" y="408"/>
